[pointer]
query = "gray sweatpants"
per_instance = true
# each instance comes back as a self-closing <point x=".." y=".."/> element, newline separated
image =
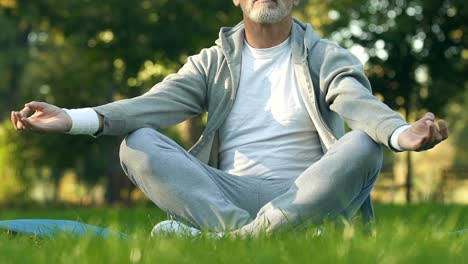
<point x="205" y="197"/>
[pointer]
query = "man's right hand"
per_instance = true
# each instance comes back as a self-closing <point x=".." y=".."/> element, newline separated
<point x="46" y="118"/>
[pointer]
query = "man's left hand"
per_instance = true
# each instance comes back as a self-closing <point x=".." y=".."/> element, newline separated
<point x="424" y="134"/>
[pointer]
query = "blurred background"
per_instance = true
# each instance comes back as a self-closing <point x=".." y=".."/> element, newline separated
<point x="79" y="53"/>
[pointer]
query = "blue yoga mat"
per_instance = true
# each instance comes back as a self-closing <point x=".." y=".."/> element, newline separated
<point x="49" y="228"/>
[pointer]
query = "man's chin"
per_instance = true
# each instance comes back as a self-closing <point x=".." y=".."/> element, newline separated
<point x="264" y="10"/>
<point x="266" y="21"/>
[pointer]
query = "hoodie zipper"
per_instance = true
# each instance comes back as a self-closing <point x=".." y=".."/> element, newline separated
<point x="315" y="106"/>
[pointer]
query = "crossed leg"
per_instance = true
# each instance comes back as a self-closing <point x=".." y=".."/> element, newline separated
<point x="181" y="185"/>
<point x="205" y="197"/>
<point x="338" y="184"/>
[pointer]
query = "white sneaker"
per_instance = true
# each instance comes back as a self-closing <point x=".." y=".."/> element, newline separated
<point x="176" y="228"/>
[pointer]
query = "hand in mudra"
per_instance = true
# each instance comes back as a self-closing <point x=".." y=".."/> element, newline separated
<point x="424" y="134"/>
<point x="46" y="118"/>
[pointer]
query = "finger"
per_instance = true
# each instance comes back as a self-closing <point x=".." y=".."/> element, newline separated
<point x="429" y="132"/>
<point x="14" y="120"/>
<point x="428" y="123"/>
<point x="19" y="123"/>
<point x="28" y="124"/>
<point x="436" y="136"/>
<point x="25" y="111"/>
<point x="36" y="105"/>
<point x="443" y="129"/>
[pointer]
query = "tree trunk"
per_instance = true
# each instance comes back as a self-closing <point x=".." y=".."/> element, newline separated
<point x="189" y="132"/>
<point x="56" y="176"/>
<point x="19" y="48"/>
<point x="409" y="176"/>
<point x="410" y="105"/>
<point x="14" y="91"/>
<point x="115" y="180"/>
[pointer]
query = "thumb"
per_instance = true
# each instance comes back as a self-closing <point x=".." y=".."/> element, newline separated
<point x="429" y="116"/>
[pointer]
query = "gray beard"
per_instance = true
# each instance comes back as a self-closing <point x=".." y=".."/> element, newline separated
<point x="268" y="16"/>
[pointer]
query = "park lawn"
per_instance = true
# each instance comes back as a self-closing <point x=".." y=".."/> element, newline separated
<point x="405" y="234"/>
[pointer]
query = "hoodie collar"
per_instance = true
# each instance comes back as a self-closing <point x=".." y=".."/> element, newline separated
<point x="231" y="41"/>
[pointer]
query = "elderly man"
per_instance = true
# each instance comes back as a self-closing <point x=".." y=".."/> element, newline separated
<point x="274" y="153"/>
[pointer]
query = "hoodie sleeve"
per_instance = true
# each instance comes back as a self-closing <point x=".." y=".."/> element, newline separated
<point x="178" y="97"/>
<point x="349" y="94"/>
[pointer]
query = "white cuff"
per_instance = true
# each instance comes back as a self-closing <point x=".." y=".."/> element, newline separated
<point x="396" y="134"/>
<point x="84" y="121"/>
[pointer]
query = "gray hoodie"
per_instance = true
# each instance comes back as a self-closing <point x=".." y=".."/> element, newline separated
<point x="332" y="85"/>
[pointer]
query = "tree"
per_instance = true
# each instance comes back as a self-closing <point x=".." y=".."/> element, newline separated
<point x="414" y="51"/>
<point x="83" y="53"/>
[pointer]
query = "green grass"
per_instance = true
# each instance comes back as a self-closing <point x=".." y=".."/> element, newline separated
<point x="413" y="234"/>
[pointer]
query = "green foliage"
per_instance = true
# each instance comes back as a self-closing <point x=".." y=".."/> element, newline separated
<point x="456" y="113"/>
<point x="415" y="50"/>
<point x="10" y="188"/>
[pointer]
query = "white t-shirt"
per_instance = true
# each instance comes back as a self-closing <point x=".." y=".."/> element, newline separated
<point x="268" y="133"/>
